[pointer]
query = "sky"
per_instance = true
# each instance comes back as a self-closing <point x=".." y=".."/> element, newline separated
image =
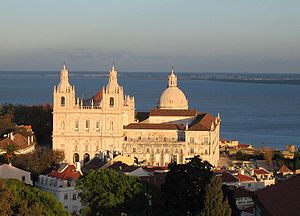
<point x="152" y="35"/>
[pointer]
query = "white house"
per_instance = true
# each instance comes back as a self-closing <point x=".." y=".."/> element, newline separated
<point x="11" y="172"/>
<point x="62" y="184"/>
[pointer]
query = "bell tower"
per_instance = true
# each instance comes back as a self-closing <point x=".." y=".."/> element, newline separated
<point x="113" y="97"/>
<point x="64" y="93"/>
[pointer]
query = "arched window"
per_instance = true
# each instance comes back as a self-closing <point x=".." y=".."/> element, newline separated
<point x="75" y="158"/>
<point x="62" y="101"/>
<point x="111" y="102"/>
<point x="86" y="158"/>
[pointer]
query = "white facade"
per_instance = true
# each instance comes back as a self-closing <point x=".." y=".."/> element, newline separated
<point x="107" y="125"/>
<point x="63" y="189"/>
<point x="11" y="172"/>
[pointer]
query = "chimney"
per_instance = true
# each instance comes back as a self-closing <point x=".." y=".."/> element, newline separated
<point x="31" y="138"/>
<point x="11" y="135"/>
<point x="28" y="140"/>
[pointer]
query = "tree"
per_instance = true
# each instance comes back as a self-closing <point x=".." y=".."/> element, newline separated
<point x="185" y="186"/>
<point x="39" y="161"/>
<point x="214" y="202"/>
<point x="19" y="199"/>
<point x="11" y="151"/>
<point x="107" y="192"/>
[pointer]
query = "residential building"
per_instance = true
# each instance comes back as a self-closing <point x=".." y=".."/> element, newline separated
<point x="62" y="184"/>
<point x="11" y="172"/>
<point x="24" y="144"/>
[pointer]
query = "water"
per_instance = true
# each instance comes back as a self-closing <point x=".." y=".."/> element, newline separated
<point x="258" y="113"/>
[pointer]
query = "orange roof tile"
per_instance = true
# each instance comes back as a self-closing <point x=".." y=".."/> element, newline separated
<point x="260" y="172"/>
<point x="203" y="122"/>
<point x="284" y="168"/>
<point x="19" y="141"/>
<point x="68" y="173"/>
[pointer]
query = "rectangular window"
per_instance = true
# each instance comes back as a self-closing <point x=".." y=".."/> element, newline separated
<point x="74" y="196"/>
<point x="192" y="139"/>
<point x="192" y="151"/>
<point x="206" y="152"/>
<point x="205" y="140"/>
<point x="134" y="150"/>
<point x="98" y="126"/>
<point x="148" y="150"/>
<point x="76" y="125"/>
<point x="65" y="196"/>
<point x="23" y="178"/>
<point x="87" y="125"/>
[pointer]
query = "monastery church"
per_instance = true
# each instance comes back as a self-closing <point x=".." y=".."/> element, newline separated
<point x="107" y="125"/>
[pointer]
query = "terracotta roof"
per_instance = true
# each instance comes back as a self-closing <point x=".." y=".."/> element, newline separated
<point x="244" y="145"/>
<point x="98" y="97"/>
<point x="281" y="198"/>
<point x="173" y="112"/>
<point x="284" y="168"/>
<point x="160" y="126"/>
<point x="244" y="178"/>
<point x="67" y="173"/>
<point x="260" y="172"/>
<point x="141" y="116"/>
<point x="19" y="141"/>
<point x="241" y="192"/>
<point x="203" y="122"/>
<point x="229" y="177"/>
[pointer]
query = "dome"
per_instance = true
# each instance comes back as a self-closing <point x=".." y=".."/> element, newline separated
<point x="173" y="97"/>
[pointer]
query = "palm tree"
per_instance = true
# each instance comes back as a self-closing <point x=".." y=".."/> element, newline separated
<point x="11" y="151"/>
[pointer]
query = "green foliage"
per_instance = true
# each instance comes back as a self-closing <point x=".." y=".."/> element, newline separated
<point x="10" y="152"/>
<point x="108" y="192"/>
<point x="185" y="186"/>
<point x="214" y="202"/>
<point x="39" y="161"/>
<point x="21" y="199"/>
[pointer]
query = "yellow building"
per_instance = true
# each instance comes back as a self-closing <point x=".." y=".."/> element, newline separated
<point x="107" y="125"/>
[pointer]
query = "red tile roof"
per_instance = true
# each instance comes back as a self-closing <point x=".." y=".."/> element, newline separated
<point x="98" y="97"/>
<point x="67" y="173"/>
<point x="281" y="198"/>
<point x="260" y="172"/>
<point x="19" y="141"/>
<point x="229" y="177"/>
<point x="203" y="122"/>
<point x="161" y="126"/>
<point x="173" y="112"/>
<point x="244" y="145"/>
<point x="284" y="168"/>
<point x="244" y="178"/>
